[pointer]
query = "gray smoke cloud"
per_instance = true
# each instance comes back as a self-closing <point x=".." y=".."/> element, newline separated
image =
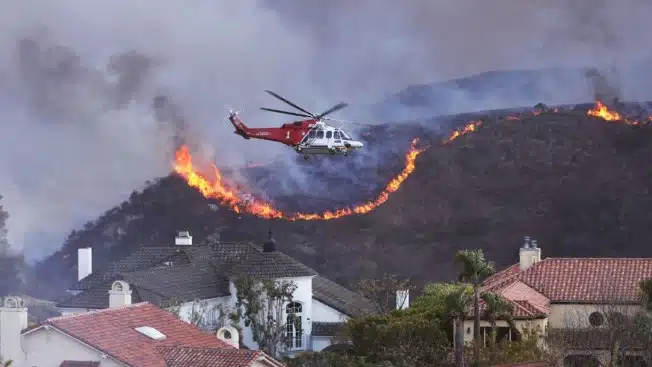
<point x="78" y="79"/>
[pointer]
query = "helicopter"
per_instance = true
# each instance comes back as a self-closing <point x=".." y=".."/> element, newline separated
<point x="308" y="137"/>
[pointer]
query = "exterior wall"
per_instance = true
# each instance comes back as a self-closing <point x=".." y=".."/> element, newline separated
<point x="520" y="324"/>
<point x="577" y="315"/>
<point x="209" y="308"/>
<point x="302" y="294"/>
<point x="324" y="313"/>
<point x="48" y="348"/>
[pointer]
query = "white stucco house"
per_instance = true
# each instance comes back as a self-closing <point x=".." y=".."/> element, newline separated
<point x="201" y="277"/>
<point x="137" y="335"/>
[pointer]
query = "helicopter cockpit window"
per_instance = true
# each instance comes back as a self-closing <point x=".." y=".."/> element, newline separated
<point x="337" y="135"/>
<point x="329" y="134"/>
<point x="311" y="134"/>
<point x="344" y="136"/>
<point x="320" y="134"/>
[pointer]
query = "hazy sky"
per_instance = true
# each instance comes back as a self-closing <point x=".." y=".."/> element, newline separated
<point x="77" y="78"/>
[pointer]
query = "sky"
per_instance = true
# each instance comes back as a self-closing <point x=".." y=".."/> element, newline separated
<point x="78" y="77"/>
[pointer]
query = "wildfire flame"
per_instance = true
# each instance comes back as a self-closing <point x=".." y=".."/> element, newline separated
<point x="230" y="196"/>
<point x="603" y="112"/>
<point x="469" y="128"/>
<point x="240" y="202"/>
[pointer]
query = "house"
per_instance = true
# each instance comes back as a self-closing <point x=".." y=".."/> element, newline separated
<point x="188" y="276"/>
<point x="137" y="335"/>
<point x="573" y="300"/>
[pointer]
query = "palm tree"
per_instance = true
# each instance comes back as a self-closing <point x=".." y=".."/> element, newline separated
<point x="457" y="304"/>
<point x="498" y="307"/>
<point x="474" y="269"/>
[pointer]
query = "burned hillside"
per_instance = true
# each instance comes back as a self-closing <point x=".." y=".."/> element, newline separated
<point x="578" y="184"/>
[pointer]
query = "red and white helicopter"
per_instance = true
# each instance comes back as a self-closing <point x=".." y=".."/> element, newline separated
<point x="308" y="137"/>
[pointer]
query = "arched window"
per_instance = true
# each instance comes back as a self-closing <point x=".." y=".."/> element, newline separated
<point x="293" y="326"/>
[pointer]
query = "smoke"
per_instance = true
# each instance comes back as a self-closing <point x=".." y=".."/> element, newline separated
<point x="94" y="95"/>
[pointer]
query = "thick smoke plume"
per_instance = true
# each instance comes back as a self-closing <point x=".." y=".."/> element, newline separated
<point x="94" y="95"/>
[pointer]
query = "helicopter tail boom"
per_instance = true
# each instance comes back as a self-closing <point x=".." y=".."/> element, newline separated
<point x="240" y="128"/>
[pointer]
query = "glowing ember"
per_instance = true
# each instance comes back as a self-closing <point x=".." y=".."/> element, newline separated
<point x="216" y="188"/>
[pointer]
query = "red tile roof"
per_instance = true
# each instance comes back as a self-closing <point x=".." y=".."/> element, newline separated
<point x="79" y="364"/>
<point x="198" y="357"/>
<point x="575" y="280"/>
<point x="112" y="331"/>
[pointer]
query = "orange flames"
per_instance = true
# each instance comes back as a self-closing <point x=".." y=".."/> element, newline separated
<point x="216" y="188"/>
<point x="603" y="112"/>
<point x="469" y="128"/>
<point x="230" y="196"/>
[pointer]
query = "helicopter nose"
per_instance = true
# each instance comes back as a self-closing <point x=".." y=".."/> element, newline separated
<point x="356" y="144"/>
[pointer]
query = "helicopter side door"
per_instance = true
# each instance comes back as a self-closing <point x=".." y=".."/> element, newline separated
<point x="329" y="138"/>
<point x="337" y="139"/>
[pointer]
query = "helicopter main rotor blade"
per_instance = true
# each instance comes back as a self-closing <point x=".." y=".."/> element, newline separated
<point x="337" y="107"/>
<point x="346" y="121"/>
<point x="286" y="112"/>
<point x="290" y="103"/>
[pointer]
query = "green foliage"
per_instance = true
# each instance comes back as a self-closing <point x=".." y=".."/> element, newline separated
<point x="528" y="348"/>
<point x="400" y="338"/>
<point x="474" y="269"/>
<point x="12" y="266"/>
<point x="326" y="359"/>
<point x="497" y="307"/>
<point x="4" y="363"/>
<point x="435" y="295"/>
<point x="382" y="292"/>
<point x="260" y="305"/>
<point x="646" y="294"/>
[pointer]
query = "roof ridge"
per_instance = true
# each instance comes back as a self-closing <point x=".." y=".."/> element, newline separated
<point x="95" y="312"/>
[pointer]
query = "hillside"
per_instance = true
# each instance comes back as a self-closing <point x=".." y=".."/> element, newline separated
<point x="576" y="183"/>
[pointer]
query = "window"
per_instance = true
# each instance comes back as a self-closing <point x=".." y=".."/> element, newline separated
<point x="344" y="136"/>
<point x="320" y="134"/>
<point x="329" y="134"/>
<point x="337" y="135"/>
<point x="293" y="326"/>
<point x="311" y="134"/>
<point x="596" y="319"/>
<point x="502" y="333"/>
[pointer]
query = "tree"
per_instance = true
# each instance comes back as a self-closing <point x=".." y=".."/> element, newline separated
<point x="474" y="269"/>
<point x="458" y="303"/>
<point x="327" y="359"/>
<point x="645" y="287"/>
<point x="383" y="292"/>
<point x="498" y="306"/>
<point x="201" y="314"/>
<point x="399" y="338"/>
<point x="260" y="305"/>
<point x="4" y="363"/>
<point x="12" y="265"/>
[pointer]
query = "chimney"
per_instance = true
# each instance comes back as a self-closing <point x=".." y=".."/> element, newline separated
<point x="230" y="335"/>
<point x="270" y="245"/>
<point x="13" y="320"/>
<point x="183" y="239"/>
<point x="402" y="299"/>
<point x="84" y="262"/>
<point x="529" y="254"/>
<point x="120" y="294"/>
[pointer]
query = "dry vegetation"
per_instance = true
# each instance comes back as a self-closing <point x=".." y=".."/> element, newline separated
<point x="578" y="184"/>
